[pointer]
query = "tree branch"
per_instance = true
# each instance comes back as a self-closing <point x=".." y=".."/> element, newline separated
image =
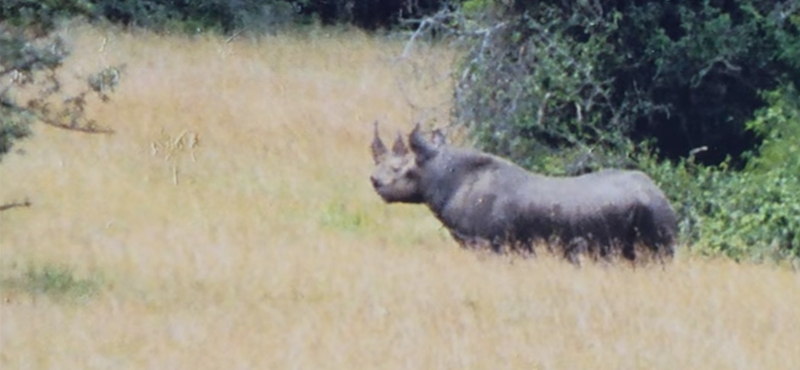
<point x="89" y="129"/>
<point x="5" y="207"/>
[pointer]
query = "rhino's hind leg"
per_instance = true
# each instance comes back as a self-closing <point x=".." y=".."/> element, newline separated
<point x="629" y="250"/>
<point x="576" y="248"/>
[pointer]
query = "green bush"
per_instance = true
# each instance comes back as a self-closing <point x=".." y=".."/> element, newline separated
<point x="779" y="126"/>
<point x="755" y="216"/>
<point x="740" y="214"/>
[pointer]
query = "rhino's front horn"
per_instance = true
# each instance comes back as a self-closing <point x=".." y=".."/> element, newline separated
<point x="378" y="149"/>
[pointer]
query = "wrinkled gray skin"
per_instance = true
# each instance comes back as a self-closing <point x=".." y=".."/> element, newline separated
<point x="485" y="200"/>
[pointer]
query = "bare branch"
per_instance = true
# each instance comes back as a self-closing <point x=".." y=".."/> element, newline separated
<point x="88" y="129"/>
<point x="720" y="60"/>
<point x="7" y="206"/>
<point x="542" y="112"/>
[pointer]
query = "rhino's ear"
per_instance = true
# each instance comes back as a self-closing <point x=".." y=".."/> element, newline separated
<point x="399" y="148"/>
<point x="437" y="138"/>
<point x="423" y="149"/>
<point x="378" y="149"/>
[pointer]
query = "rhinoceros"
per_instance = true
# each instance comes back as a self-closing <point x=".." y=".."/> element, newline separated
<point x="485" y="200"/>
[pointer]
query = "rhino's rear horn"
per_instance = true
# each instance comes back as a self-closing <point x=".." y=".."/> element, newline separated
<point x="423" y="149"/>
<point x="437" y="138"/>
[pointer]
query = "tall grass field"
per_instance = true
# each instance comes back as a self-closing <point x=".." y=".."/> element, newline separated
<point x="229" y="223"/>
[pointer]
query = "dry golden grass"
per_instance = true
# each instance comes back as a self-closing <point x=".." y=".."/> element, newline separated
<point x="230" y="224"/>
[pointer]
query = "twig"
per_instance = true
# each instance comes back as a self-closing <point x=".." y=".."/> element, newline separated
<point x="694" y="152"/>
<point x="233" y="37"/>
<point x="85" y="130"/>
<point x="542" y="111"/>
<point x="103" y="45"/>
<point x="4" y="207"/>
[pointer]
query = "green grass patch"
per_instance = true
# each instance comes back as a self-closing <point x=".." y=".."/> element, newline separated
<point x="344" y="217"/>
<point x="54" y="281"/>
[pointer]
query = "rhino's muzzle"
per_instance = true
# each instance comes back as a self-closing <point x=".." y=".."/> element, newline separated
<point x="376" y="183"/>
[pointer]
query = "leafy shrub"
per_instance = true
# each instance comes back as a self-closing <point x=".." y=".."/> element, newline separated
<point x="755" y="216"/>
<point x="779" y="126"/>
<point x="742" y="215"/>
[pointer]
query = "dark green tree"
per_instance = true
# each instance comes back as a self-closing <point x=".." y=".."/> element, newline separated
<point x="568" y="74"/>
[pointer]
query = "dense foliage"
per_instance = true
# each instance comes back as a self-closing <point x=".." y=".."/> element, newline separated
<point x="549" y="75"/>
<point x="223" y="15"/>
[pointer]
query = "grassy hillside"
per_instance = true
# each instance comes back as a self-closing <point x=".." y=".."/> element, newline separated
<point x="229" y="223"/>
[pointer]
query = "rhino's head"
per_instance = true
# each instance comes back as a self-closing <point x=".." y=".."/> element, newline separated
<point x="396" y="177"/>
